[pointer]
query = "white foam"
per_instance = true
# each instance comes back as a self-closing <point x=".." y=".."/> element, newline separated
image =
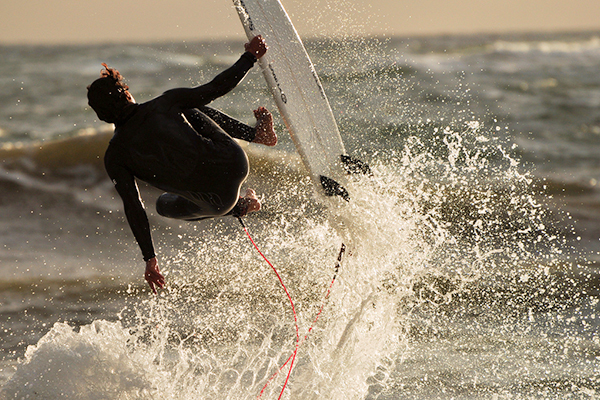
<point x="101" y="361"/>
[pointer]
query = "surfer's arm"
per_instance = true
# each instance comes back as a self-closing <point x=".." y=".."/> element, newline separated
<point x="186" y="98"/>
<point x="126" y="186"/>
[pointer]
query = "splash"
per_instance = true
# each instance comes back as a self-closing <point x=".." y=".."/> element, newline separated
<point x="420" y="233"/>
<point x="95" y="363"/>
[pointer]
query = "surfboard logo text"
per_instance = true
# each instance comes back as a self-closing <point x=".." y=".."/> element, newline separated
<point x="283" y="96"/>
<point x="246" y="15"/>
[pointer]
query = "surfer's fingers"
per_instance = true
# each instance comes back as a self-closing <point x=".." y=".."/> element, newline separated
<point x="154" y="279"/>
<point x="257" y="38"/>
<point x="260" y="112"/>
<point x="256" y="46"/>
<point x="151" y="284"/>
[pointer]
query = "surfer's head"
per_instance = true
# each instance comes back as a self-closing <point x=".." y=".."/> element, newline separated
<point x="109" y="96"/>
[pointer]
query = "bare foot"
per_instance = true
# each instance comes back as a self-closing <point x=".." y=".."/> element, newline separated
<point x="252" y="201"/>
<point x="247" y="204"/>
<point x="264" y="127"/>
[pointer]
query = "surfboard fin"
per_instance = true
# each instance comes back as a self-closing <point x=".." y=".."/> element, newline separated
<point x="355" y="166"/>
<point x="332" y="188"/>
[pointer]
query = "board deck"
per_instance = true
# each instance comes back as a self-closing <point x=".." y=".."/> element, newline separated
<point x="298" y="93"/>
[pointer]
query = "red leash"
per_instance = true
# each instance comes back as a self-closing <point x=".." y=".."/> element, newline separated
<point x="292" y="357"/>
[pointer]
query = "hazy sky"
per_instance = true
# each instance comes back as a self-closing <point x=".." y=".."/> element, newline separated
<point x="80" y="21"/>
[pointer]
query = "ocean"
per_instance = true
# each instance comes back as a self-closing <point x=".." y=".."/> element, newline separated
<point x="471" y="264"/>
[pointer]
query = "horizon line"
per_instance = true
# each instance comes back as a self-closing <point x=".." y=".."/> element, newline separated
<point x="240" y="37"/>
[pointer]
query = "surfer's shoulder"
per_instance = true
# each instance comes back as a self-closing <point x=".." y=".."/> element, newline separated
<point x="116" y="151"/>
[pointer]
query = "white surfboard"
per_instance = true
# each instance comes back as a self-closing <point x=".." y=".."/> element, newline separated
<point x="298" y="94"/>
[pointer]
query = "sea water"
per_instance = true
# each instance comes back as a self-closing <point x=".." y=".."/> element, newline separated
<point x="470" y="268"/>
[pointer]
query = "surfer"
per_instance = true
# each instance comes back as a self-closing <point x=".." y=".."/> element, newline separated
<point x="178" y="144"/>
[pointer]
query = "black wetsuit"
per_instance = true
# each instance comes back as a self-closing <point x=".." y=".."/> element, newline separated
<point x="177" y="144"/>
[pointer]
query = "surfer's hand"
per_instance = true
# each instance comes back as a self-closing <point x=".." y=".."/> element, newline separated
<point x="153" y="275"/>
<point x="256" y="46"/>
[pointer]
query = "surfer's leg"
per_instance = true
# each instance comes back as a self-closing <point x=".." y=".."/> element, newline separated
<point x="224" y="163"/>
<point x="171" y="205"/>
<point x="208" y="128"/>
<point x="245" y="205"/>
<point x="214" y="185"/>
<point x="232" y="126"/>
<point x="262" y="133"/>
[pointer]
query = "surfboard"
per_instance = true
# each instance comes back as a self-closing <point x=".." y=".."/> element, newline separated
<point x="299" y="95"/>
